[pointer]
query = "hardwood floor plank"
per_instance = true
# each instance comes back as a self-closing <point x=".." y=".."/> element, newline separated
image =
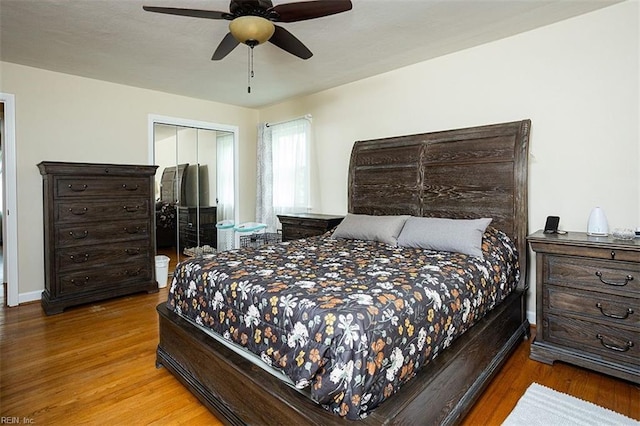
<point x="519" y="372"/>
<point x="95" y="364"/>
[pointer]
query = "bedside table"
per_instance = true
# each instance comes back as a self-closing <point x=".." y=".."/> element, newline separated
<point x="303" y="225"/>
<point x="588" y="302"/>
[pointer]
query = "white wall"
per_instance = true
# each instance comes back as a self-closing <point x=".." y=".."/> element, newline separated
<point x="577" y="81"/>
<point x="60" y="117"/>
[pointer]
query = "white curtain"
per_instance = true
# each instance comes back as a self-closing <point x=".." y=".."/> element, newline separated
<point x="264" y="186"/>
<point x="224" y="178"/>
<point x="283" y="170"/>
<point x="225" y="186"/>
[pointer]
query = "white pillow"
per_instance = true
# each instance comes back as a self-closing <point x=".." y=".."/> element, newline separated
<point x="371" y="228"/>
<point x="454" y="235"/>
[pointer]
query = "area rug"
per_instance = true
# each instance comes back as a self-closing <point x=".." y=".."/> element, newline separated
<point x="543" y="406"/>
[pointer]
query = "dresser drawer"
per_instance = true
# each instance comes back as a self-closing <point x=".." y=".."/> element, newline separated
<point x="593" y="274"/>
<point x="86" y="234"/>
<point x="107" y="278"/>
<point x="614" y="310"/>
<point x="598" y="339"/>
<point x="120" y="186"/>
<point x="99" y="256"/>
<point x="86" y="211"/>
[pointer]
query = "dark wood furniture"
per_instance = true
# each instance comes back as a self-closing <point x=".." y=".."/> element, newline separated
<point x="172" y="191"/>
<point x="466" y="173"/>
<point x="173" y="188"/>
<point x="197" y="226"/>
<point x="588" y="302"/>
<point x="303" y="225"/>
<point x="98" y="239"/>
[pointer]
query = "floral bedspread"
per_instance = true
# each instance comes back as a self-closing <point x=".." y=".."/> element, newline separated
<point x="351" y="320"/>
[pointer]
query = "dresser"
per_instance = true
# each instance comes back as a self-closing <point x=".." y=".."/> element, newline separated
<point x="98" y="232"/>
<point x="197" y="226"/>
<point x="588" y="302"/>
<point x="303" y="225"/>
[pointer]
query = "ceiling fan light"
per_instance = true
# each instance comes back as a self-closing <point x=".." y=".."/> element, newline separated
<point x="251" y="29"/>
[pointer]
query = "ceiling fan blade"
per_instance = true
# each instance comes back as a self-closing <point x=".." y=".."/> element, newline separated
<point x="293" y="12"/>
<point x="225" y="47"/>
<point x="287" y="41"/>
<point x="195" y="13"/>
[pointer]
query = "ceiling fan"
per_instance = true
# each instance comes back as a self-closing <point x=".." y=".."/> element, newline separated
<point x="252" y="22"/>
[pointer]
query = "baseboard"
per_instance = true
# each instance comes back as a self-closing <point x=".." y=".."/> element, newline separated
<point x="31" y="296"/>
<point x="531" y="316"/>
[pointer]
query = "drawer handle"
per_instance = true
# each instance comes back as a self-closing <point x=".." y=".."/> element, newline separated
<point x="132" y="252"/>
<point x="80" y="283"/>
<point x="78" y="213"/>
<point x="130" y="188"/>
<point x="133" y="273"/>
<point x="77" y="188"/>
<point x="80" y="259"/>
<point x="131" y="209"/>
<point x="626" y="280"/>
<point x="79" y="236"/>
<point x="129" y="231"/>
<point x="625" y="316"/>
<point x="613" y="347"/>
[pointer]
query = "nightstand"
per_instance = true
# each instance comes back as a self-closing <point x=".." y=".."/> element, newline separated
<point x="588" y="302"/>
<point x="303" y="225"/>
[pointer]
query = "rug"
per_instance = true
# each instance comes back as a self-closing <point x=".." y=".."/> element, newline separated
<point x="543" y="406"/>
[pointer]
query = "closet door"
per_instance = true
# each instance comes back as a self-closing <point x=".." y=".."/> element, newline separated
<point x="195" y="178"/>
<point x="197" y="212"/>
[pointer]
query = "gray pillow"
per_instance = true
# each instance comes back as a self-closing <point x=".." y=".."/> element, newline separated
<point x="455" y="235"/>
<point x="371" y="228"/>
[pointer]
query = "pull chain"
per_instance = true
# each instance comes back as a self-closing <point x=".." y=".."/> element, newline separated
<point x="250" y="70"/>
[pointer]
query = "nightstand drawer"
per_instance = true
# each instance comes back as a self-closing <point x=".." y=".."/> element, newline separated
<point x="594" y="247"/>
<point x="593" y="274"/>
<point x="305" y="225"/>
<point x="615" y="310"/>
<point x="599" y="340"/>
<point x="297" y="232"/>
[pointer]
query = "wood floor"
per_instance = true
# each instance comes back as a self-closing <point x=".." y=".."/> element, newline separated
<point x="95" y="364"/>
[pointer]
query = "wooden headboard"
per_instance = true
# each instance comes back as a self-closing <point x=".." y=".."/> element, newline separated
<point x="464" y="173"/>
<point x="173" y="184"/>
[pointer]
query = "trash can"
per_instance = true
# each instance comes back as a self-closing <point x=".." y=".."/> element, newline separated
<point x="162" y="270"/>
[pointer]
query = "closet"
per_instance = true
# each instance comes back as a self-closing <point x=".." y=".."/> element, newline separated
<point x="194" y="187"/>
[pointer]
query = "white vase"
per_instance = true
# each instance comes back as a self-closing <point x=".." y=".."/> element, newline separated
<point x="597" y="225"/>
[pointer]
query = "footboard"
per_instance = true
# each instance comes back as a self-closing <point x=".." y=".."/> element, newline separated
<point x="239" y="392"/>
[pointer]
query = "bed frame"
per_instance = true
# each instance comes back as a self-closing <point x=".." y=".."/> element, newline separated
<point x="466" y="173"/>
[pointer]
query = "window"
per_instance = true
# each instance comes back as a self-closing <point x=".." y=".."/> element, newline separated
<point x="283" y="170"/>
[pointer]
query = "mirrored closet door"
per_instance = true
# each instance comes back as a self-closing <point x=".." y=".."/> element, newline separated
<point x="194" y="188"/>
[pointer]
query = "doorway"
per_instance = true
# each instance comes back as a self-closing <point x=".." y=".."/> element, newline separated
<point x="195" y="185"/>
<point x="9" y="201"/>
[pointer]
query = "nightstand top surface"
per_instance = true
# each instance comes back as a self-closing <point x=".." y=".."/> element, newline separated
<point x="311" y="216"/>
<point x="582" y="239"/>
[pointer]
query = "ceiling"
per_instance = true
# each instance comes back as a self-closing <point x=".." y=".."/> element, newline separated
<point x="116" y="41"/>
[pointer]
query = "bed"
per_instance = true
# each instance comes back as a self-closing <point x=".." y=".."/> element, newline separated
<point x="471" y="173"/>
